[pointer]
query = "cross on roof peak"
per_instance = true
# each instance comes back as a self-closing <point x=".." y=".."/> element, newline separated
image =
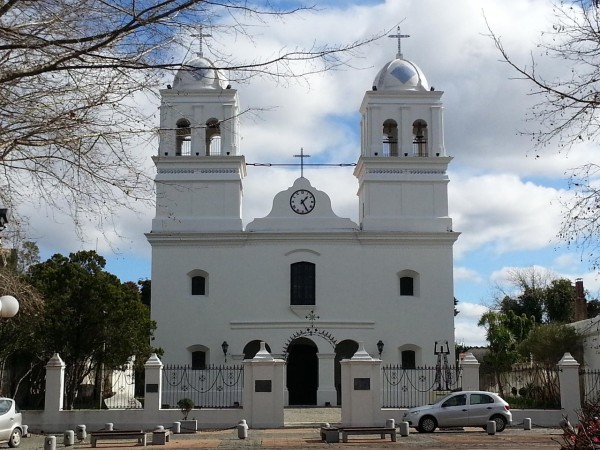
<point x="200" y="35"/>
<point x="399" y="36"/>
<point x="301" y="156"/>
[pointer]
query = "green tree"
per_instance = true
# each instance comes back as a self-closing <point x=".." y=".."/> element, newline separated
<point x="91" y="319"/>
<point x="504" y="331"/>
<point x="19" y="333"/>
<point x="547" y="343"/>
<point x="541" y="296"/>
<point x="559" y="299"/>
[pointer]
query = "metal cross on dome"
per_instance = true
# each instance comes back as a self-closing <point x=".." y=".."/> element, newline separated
<point x="200" y="35"/>
<point x="399" y="36"/>
<point x="301" y="156"/>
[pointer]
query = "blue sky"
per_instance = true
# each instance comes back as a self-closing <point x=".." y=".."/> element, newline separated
<point x="504" y="201"/>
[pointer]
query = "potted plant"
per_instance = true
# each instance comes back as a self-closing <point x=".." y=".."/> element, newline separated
<point x="185" y="405"/>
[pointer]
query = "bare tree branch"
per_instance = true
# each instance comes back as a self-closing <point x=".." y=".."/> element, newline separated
<point x="72" y="74"/>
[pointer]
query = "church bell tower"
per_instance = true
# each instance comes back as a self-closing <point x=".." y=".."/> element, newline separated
<point x="199" y="171"/>
<point x="402" y="170"/>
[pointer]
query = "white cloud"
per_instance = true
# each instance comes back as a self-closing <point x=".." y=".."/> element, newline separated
<point x="503" y="199"/>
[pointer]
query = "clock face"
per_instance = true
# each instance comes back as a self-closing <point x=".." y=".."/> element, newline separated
<point x="302" y="201"/>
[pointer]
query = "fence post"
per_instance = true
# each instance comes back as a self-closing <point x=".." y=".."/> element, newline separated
<point x="568" y="375"/>
<point x="55" y="384"/>
<point x="361" y="389"/>
<point x="470" y="373"/>
<point x="153" y="388"/>
<point x="263" y="395"/>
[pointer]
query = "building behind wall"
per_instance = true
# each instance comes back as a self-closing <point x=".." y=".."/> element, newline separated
<point x="310" y="284"/>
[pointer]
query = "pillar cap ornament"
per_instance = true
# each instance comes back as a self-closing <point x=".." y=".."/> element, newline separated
<point x="263" y="354"/>
<point x="568" y="360"/>
<point x="55" y="361"/>
<point x="153" y="361"/>
<point x="469" y="359"/>
<point x="361" y="354"/>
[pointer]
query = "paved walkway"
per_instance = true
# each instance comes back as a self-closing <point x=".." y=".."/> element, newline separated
<point x="300" y="438"/>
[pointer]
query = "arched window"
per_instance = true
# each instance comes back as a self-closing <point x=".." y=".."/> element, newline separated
<point x="302" y="283"/>
<point x="407" y="286"/>
<point x="213" y="137"/>
<point x="199" y="360"/>
<point x="198" y="285"/>
<point x="409" y="283"/>
<point x="420" y="138"/>
<point x="410" y="356"/>
<point x="409" y="359"/>
<point x="390" y="138"/>
<point x="198" y="282"/>
<point x="199" y="356"/>
<point x="184" y="138"/>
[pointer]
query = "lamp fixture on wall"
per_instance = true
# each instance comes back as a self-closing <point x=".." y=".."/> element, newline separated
<point x="380" y="345"/>
<point x="225" y="347"/>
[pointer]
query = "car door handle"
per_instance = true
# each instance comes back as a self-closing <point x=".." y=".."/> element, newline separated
<point x="465" y="410"/>
<point x="489" y="407"/>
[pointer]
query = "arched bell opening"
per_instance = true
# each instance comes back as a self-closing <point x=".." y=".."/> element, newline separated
<point x="420" y="138"/>
<point x="183" y="140"/>
<point x="213" y="137"/>
<point x="390" y="138"/>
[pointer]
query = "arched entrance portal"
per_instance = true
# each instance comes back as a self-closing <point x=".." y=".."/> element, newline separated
<point x="344" y="350"/>
<point x="302" y="372"/>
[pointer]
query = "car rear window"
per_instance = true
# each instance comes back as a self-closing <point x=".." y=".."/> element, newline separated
<point x="481" y="399"/>
<point x="5" y="406"/>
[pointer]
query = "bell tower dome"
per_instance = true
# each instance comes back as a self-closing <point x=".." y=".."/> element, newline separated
<point x="199" y="168"/>
<point x="402" y="170"/>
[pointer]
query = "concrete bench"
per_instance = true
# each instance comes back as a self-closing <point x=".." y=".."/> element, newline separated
<point x="330" y="434"/>
<point x="139" y="435"/>
<point x="382" y="431"/>
<point x="161" y="437"/>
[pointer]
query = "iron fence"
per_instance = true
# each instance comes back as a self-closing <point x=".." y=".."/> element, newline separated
<point x="526" y="385"/>
<point x="406" y="388"/>
<point x="119" y="389"/>
<point x="589" y="384"/>
<point x="213" y="387"/>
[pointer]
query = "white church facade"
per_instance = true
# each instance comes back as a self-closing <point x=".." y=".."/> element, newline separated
<point x="308" y="283"/>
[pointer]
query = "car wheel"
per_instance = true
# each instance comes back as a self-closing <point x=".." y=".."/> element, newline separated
<point x="427" y="424"/>
<point x="15" y="438"/>
<point x="500" y="423"/>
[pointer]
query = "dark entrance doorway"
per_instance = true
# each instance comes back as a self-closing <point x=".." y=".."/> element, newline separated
<point x="344" y="350"/>
<point x="302" y="372"/>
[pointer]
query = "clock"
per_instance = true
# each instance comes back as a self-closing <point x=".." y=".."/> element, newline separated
<point x="302" y="201"/>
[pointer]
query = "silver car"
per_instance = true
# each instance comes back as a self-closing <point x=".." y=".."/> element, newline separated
<point x="11" y="428"/>
<point x="461" y="409"/>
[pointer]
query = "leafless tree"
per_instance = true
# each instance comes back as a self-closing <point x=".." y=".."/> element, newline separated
<point x="567" y="111"/>
<point x="72" y="75"/>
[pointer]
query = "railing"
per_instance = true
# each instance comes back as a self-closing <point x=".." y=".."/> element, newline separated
<point x="589" y="383"/>
<point x="213" y="387"/>
<point x="406" y="388"/>
<point x="526" y="386"/>
<point x="390" y="147"/>
<point x="118" y="391"/>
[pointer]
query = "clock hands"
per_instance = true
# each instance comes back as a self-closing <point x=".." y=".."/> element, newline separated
<point x="302" y="202"/>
